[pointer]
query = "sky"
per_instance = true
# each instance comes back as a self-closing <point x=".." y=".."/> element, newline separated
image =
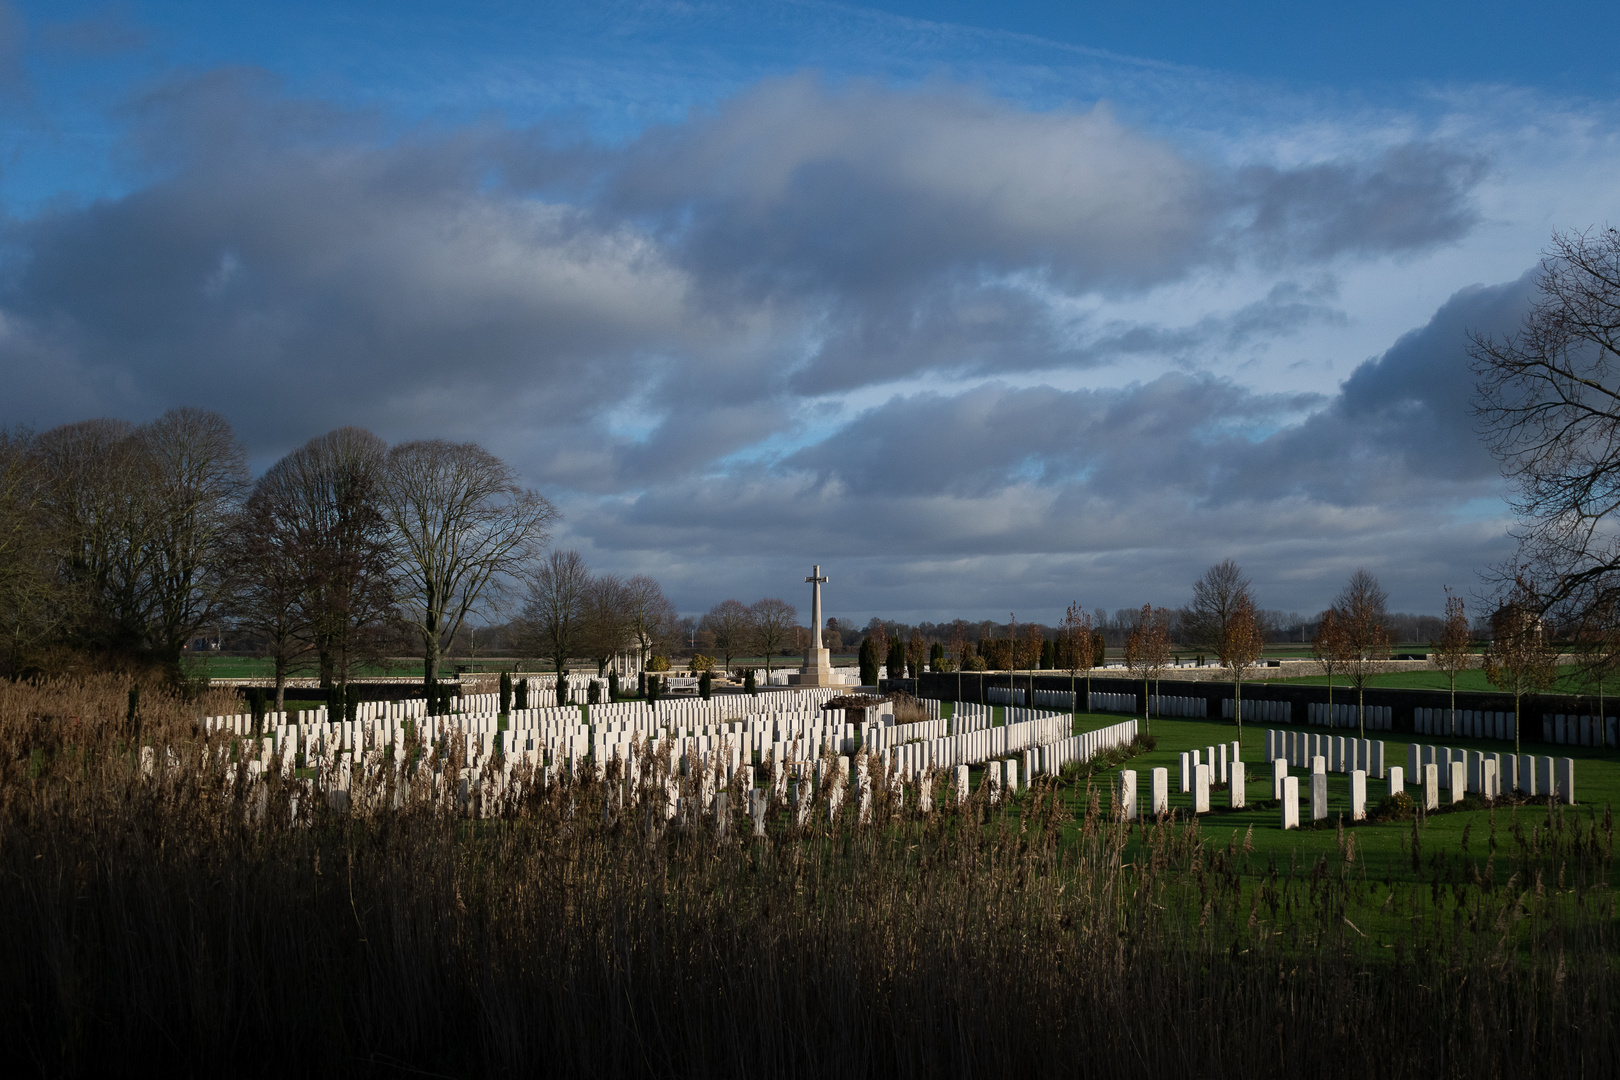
<point x="985" y="308"/>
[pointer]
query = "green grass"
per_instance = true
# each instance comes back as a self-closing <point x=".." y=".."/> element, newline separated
<point x="1473" y="680"/>
<point x="1384" y="847"/>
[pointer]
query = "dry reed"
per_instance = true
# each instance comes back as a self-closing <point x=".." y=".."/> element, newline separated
<point x="175" y="923"/>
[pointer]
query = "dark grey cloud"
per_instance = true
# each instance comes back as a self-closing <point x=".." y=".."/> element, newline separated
<point x="1400" y="426"/>
<point x="982" y="440"/>
<point x="1408" y="198"/>
<point x="1032" y="495"/>
<point x="639" y="326"/>
<point x="906" y="217"/>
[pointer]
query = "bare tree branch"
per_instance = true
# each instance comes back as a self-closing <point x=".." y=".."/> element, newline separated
<point x="465" y="531"/>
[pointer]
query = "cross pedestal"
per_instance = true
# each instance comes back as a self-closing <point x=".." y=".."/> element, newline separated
<point x="817" y="660"/>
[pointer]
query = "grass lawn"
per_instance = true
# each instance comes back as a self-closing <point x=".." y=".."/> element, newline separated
<point x="1385" y="849"/>
<point x="1472" y="680"/>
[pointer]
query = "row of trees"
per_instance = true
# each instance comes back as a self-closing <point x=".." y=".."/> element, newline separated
<point x="347" y="548"/>
<point x="570" y="612"/>
<point x="732" y="628"/>
<point x="125" y="542"/>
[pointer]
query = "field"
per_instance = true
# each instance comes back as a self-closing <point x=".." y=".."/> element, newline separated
<point x="184" y="923"/>
<point x="1569" y="682"/>
<point x="1384" y="849"/>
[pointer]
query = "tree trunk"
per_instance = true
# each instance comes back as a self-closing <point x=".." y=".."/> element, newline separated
<point x="430" y="661"/>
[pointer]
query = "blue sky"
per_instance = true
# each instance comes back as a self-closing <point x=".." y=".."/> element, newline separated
<point x="982" y="307"/>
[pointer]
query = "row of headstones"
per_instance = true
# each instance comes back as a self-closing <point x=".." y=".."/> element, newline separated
<point x="1213" y="756"/>
<point x="1469" y="723"/>
<point x="1098" y="701"/>
<point x="1196" y="708"/>
<point x="970" y="716"/>
<point x="1524" y="773"/>
<point x="1055" y="699"/>
<point x="1579" y="730"/>
<point x="1050" y="758"/>
<point x="1004" y="695"/>
<point x="1202" y="777"/>
<point x="1555" y="780"/>
<point x="1341" y="714"/>
<point x="1342" y="753"/>
<point x="1260" y="711"/>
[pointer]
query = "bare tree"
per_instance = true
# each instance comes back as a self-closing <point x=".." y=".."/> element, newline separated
<point x="1221" y="591"/>
<point x="95" y="498"/>
<point x="732" y="625"/>
<point x="269" y="585"/>
<point x="1332" y="649"/>
<point x="1548" y="397"/>
<point x="1520" y="660"/>
<point x="652" y="617"/>
<point x="607" y="620"/>
<point x="322" y="501"/>
<point x="34" y="606"/>
<point x="1597" y="642"/>
<point x="958" y="648"/>
<point x="774" y="622"/>
<point x="1075" y="637"/>
<point x="465" y="532"/>
<point x="138" y="518"/>
<point x="916" y="654"/>
<point x="199" y="475"/>
<point x="1147" y="650"/>
<point x="1241" y="646"/>
<point x="1453" y="653"/>
<point x="1360" y="607"/>
<point x="556" y="612"/>
<point x="1029" y="649"/>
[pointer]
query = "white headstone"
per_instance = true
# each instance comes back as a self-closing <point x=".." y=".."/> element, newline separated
<point x="1358" y="795"/>
<point x="1431" y="786"/>
<point x="1290" y="802"/>
<point x="1236" y="790"/>
<point x="1459" y="780"/>
<point x="1201" y="789"/>
<point x="1319" y="798"/>
<point x="1527" y="774"/>
<point x="1161" y="791"/>
<point x="1127" y="794"/>
<point x="1279" y="770"/>
<point x="1397" y="780"/>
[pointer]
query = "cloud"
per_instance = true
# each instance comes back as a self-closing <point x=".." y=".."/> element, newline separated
<point x="663" y="332"/>
<point x="1408" y="198"/>
<point x="1136" y="487"/>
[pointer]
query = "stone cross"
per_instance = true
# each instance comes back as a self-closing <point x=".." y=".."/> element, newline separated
<point x="816" y="581"/>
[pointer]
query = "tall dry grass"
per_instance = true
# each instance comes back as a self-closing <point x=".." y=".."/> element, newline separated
<point x="174" y="924"/>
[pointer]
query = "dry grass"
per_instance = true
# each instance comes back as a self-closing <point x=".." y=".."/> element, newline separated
<point x="152" y="924"/>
